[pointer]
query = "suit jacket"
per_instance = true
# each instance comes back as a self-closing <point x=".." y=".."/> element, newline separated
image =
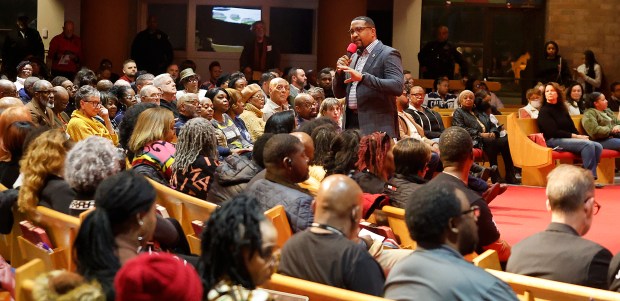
<point x="41" y="115"/>
<point x="560" y="254"/>
<point x="376" y="93"/>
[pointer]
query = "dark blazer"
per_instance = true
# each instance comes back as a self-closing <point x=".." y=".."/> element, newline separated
<point x="469" y="122"/>
<point x="560" y="254"/>
<point x="376" y="93"/>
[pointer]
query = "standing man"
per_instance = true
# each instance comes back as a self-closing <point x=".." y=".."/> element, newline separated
<point x="437" y="58"/>
<point x="370" y="80"/>
<point x="65" y="53"/>
<point x="151" y="49"/>
<point x="20" y="43"/>
<point x="259" y="53"/>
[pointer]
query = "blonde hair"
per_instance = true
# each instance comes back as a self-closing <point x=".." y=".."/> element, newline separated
<point x="462" y="95"/>
<point x="44" y="156"/>
<point x="151" y="126"/>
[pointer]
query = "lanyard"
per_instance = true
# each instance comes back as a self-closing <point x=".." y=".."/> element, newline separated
<point x="328" y="228"/>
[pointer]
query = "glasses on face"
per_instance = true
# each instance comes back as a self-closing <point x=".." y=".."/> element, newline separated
<point x="130" y="97"/>
<point x="192" y="79"/>
<point x="416" y="95"/>
<point x="93" y="103"/>
<point x="473" y="211"/>
<point x="358" y="29"/>
<point x="156" y="95"/>
<point x="70" y="88"/>
<point x="595" y="207"/>
<point x="258" y="96"/>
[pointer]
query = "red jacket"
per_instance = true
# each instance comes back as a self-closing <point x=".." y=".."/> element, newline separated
<point x="66" y="54"/>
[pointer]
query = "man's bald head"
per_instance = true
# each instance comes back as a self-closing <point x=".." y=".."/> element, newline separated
<point x="7" y="88"/>
<point x="8" y="102"/>
<point x="306" y="140"/>
<point x="337" y="198"/>
<point x="104" y="85"/>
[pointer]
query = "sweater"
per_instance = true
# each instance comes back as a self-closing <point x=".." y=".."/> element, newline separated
<point x="598" y="124"/>
<point x="554" y="122"/>
<point x="80" y="127"/>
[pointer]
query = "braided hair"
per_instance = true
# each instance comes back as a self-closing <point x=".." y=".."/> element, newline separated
<point x="197" y="137"/>
<point x="231" y="228"/>
<point x="372" y="153"/>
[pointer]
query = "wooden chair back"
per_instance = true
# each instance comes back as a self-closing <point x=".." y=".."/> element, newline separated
<point x="315" y="291"/>
<point x="2" y="187"/>
<point x="185" y="209"/>
<point x="278" y="217"/>
<point x="488" y="260"/>
<point x="24" y="279"/>
<point x="396" y="220"/>
<point x="537" y="289"/>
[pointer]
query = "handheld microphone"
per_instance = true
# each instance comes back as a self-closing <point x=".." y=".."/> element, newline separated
<point x="351" y="49"/>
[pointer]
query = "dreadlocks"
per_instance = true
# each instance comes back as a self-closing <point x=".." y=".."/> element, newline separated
<point x="372" y="152"/>
<point x="197" y="137"/>
<point x="230" y="229"/>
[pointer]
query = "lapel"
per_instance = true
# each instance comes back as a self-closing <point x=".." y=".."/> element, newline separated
<point x="373" y="55"/>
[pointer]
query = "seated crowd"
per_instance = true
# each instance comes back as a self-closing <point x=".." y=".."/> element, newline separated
<point x="89" y="145"/>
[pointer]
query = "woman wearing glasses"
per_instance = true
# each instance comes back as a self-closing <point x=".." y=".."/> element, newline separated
<point x="189" y="81"/>
<point x="83" y="123"/>
<point x="252" y="115"/>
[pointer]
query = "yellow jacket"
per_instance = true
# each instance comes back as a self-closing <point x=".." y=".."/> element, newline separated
<point x="80" y="127"/>
<point x="253" y="119"/>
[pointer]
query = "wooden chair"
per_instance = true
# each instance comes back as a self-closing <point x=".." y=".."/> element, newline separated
<point x="24" y="279"/>
<point x="185" y="209"/>
<point x="315" y="291"/>
<point x="396" y="220"/>
<point x="2" y="187"/>
<point x="531" y="289"/>
<point x="488" y="260"/>
<point x="278" y="217"/>
<point x="62" y="230"/>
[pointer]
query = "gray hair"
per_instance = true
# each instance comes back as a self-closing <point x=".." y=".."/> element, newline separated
<point x="141" y="80"/>
<point x="147" y="89"/>
<point x="89" y="162"/>
<point x="159" y="80"/>
<point x="567" y="187"/>
<point x="197" y="137"/>
<point x="84" y="93"/>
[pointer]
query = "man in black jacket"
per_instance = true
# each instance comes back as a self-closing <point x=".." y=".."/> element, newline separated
<point x="20" y="43"/>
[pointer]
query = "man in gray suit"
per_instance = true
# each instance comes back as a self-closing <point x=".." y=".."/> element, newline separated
<point x="370" y="80"/>
<point x="560" y="253"/>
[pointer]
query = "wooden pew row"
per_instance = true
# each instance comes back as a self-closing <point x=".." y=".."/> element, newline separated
<point x="185" y="209"/>
<point x="278" y="218"/>
<point x="537" y="161"/>
<point x="24" y="278"/>
<point x="455" y="84"/>
<point x="315" y="291"/>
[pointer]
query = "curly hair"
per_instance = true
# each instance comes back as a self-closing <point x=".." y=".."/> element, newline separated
<point x="343" y="153"/>
<point x="322" y="137"/>
<point x="44" y="156"/>
<point x="372" y="153"/>
<point x="231" y="228"/>
<point x="197" y="137"/>
<point x="89" y="162"/>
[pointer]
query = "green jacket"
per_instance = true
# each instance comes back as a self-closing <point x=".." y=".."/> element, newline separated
<point x="598" y="124"/>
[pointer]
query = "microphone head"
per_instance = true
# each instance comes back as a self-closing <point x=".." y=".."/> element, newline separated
<point x="352" y="48"/>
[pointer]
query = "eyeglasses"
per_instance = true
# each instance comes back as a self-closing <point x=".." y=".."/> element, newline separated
<point x="258" y="96"/>
<point x="595" y="207"/>
<point x="358" y="29"/>
<point x="128" y="97"/>
<point x="70" y="88"/>
<point x="473" y="209"/>
<point x="156" y="95"/>
<point x="417" y="94"/>
<point x="94" y="103"/>
<point x="192" y="79"/>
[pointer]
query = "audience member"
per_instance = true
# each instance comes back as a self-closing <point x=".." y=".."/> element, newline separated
<point x="237" y="81"/>
<point x="287" y="164"/>
<point x="319" y="95"/>
<point x="7" y="89"/>
<point x="408" y="127"/>
<point x="151" y="144"/>
<point x="575" y="101"/>
<point x="495" y="102"/>
<point x="111" y="103"/>
<point x="441" y="97"/>
<point x="126" y="98"/>
<point x="26" y="94"/>
<point x="117" y="230"/>
<point x="238" y="251"/>
<point x="173" y="70"/>
<point x="279" y="90"/>
<point x="297" y="78"/>
<point x="443" y="223"/>
<point x="343" y="153"/>
<point x="428" y="119"/>
<point x="325" y="81"/>
<point x="65" y="52"/>
<point x="61" y="100"/>
<point x="235" y="109"/>
<point x="252" y="116"/>
<point x="215" y="70"/>
<point x="614" y="100"/>
<point x="600" y="123"/>
<point x="84" y="77"/>
<point x="438" y="58"/>
<point x="151" y="48"/>
<point x="260" y="53"/>
<point x="189" y="81"/>
<point x="19" y="43"/>
<point x="327" y="252"/>
<point x="322" y="137"/>
<point x="83" y="123"/>
<point x="559" y="130"/>
<point x="65" y="285"/>
<point x="89" y="162"/>
<point x="187" y="106"/>
<point x="332" y="108"/>
<point x="195" y="158"/>
<point x="311" y="184"/>
<point x="265" y="81"/>
<point x="232" y="140"/>
<point x="9" y="102"/>
<point x="559" y="253"/>
<point x="24" y="71"/>
<point x="15" y="125"/>
<point x="125" y="129"/>
<point x="411" y="158"/>
<point x="552" y="67"/>
<point x="306" y="108"/>
<point x="205" y="109"/>
<point x="589" y="74"/>
<point x="168" y="88"/>
<point x="104" y="85"/>
<point x="42" y="104"/>
<point x="456" y="146"/>
<point x="150" y="94"/>
<point x="143" y="80"/>
<point x="375" y="162"/>
<point x="41" y="168"/>
<point x="281" y="123"/>
<point x="157" y="276"/>
<point x="534" y="98"/>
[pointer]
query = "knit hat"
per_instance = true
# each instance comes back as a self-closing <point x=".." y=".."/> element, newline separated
<point x="249" y="90"/>
<point x="157" y="276"/>
<point x="187" y="73"/>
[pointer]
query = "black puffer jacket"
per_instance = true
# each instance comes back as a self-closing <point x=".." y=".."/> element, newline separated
<point x="400" y="188"/>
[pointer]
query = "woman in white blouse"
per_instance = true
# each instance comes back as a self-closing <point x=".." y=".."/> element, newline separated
<point x="589" y="74"/>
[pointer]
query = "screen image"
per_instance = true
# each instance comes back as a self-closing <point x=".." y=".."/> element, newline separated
<point x="236" y="15"/>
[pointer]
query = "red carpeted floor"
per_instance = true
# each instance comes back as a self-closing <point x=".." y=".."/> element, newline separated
<point x="521" y="212"/>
